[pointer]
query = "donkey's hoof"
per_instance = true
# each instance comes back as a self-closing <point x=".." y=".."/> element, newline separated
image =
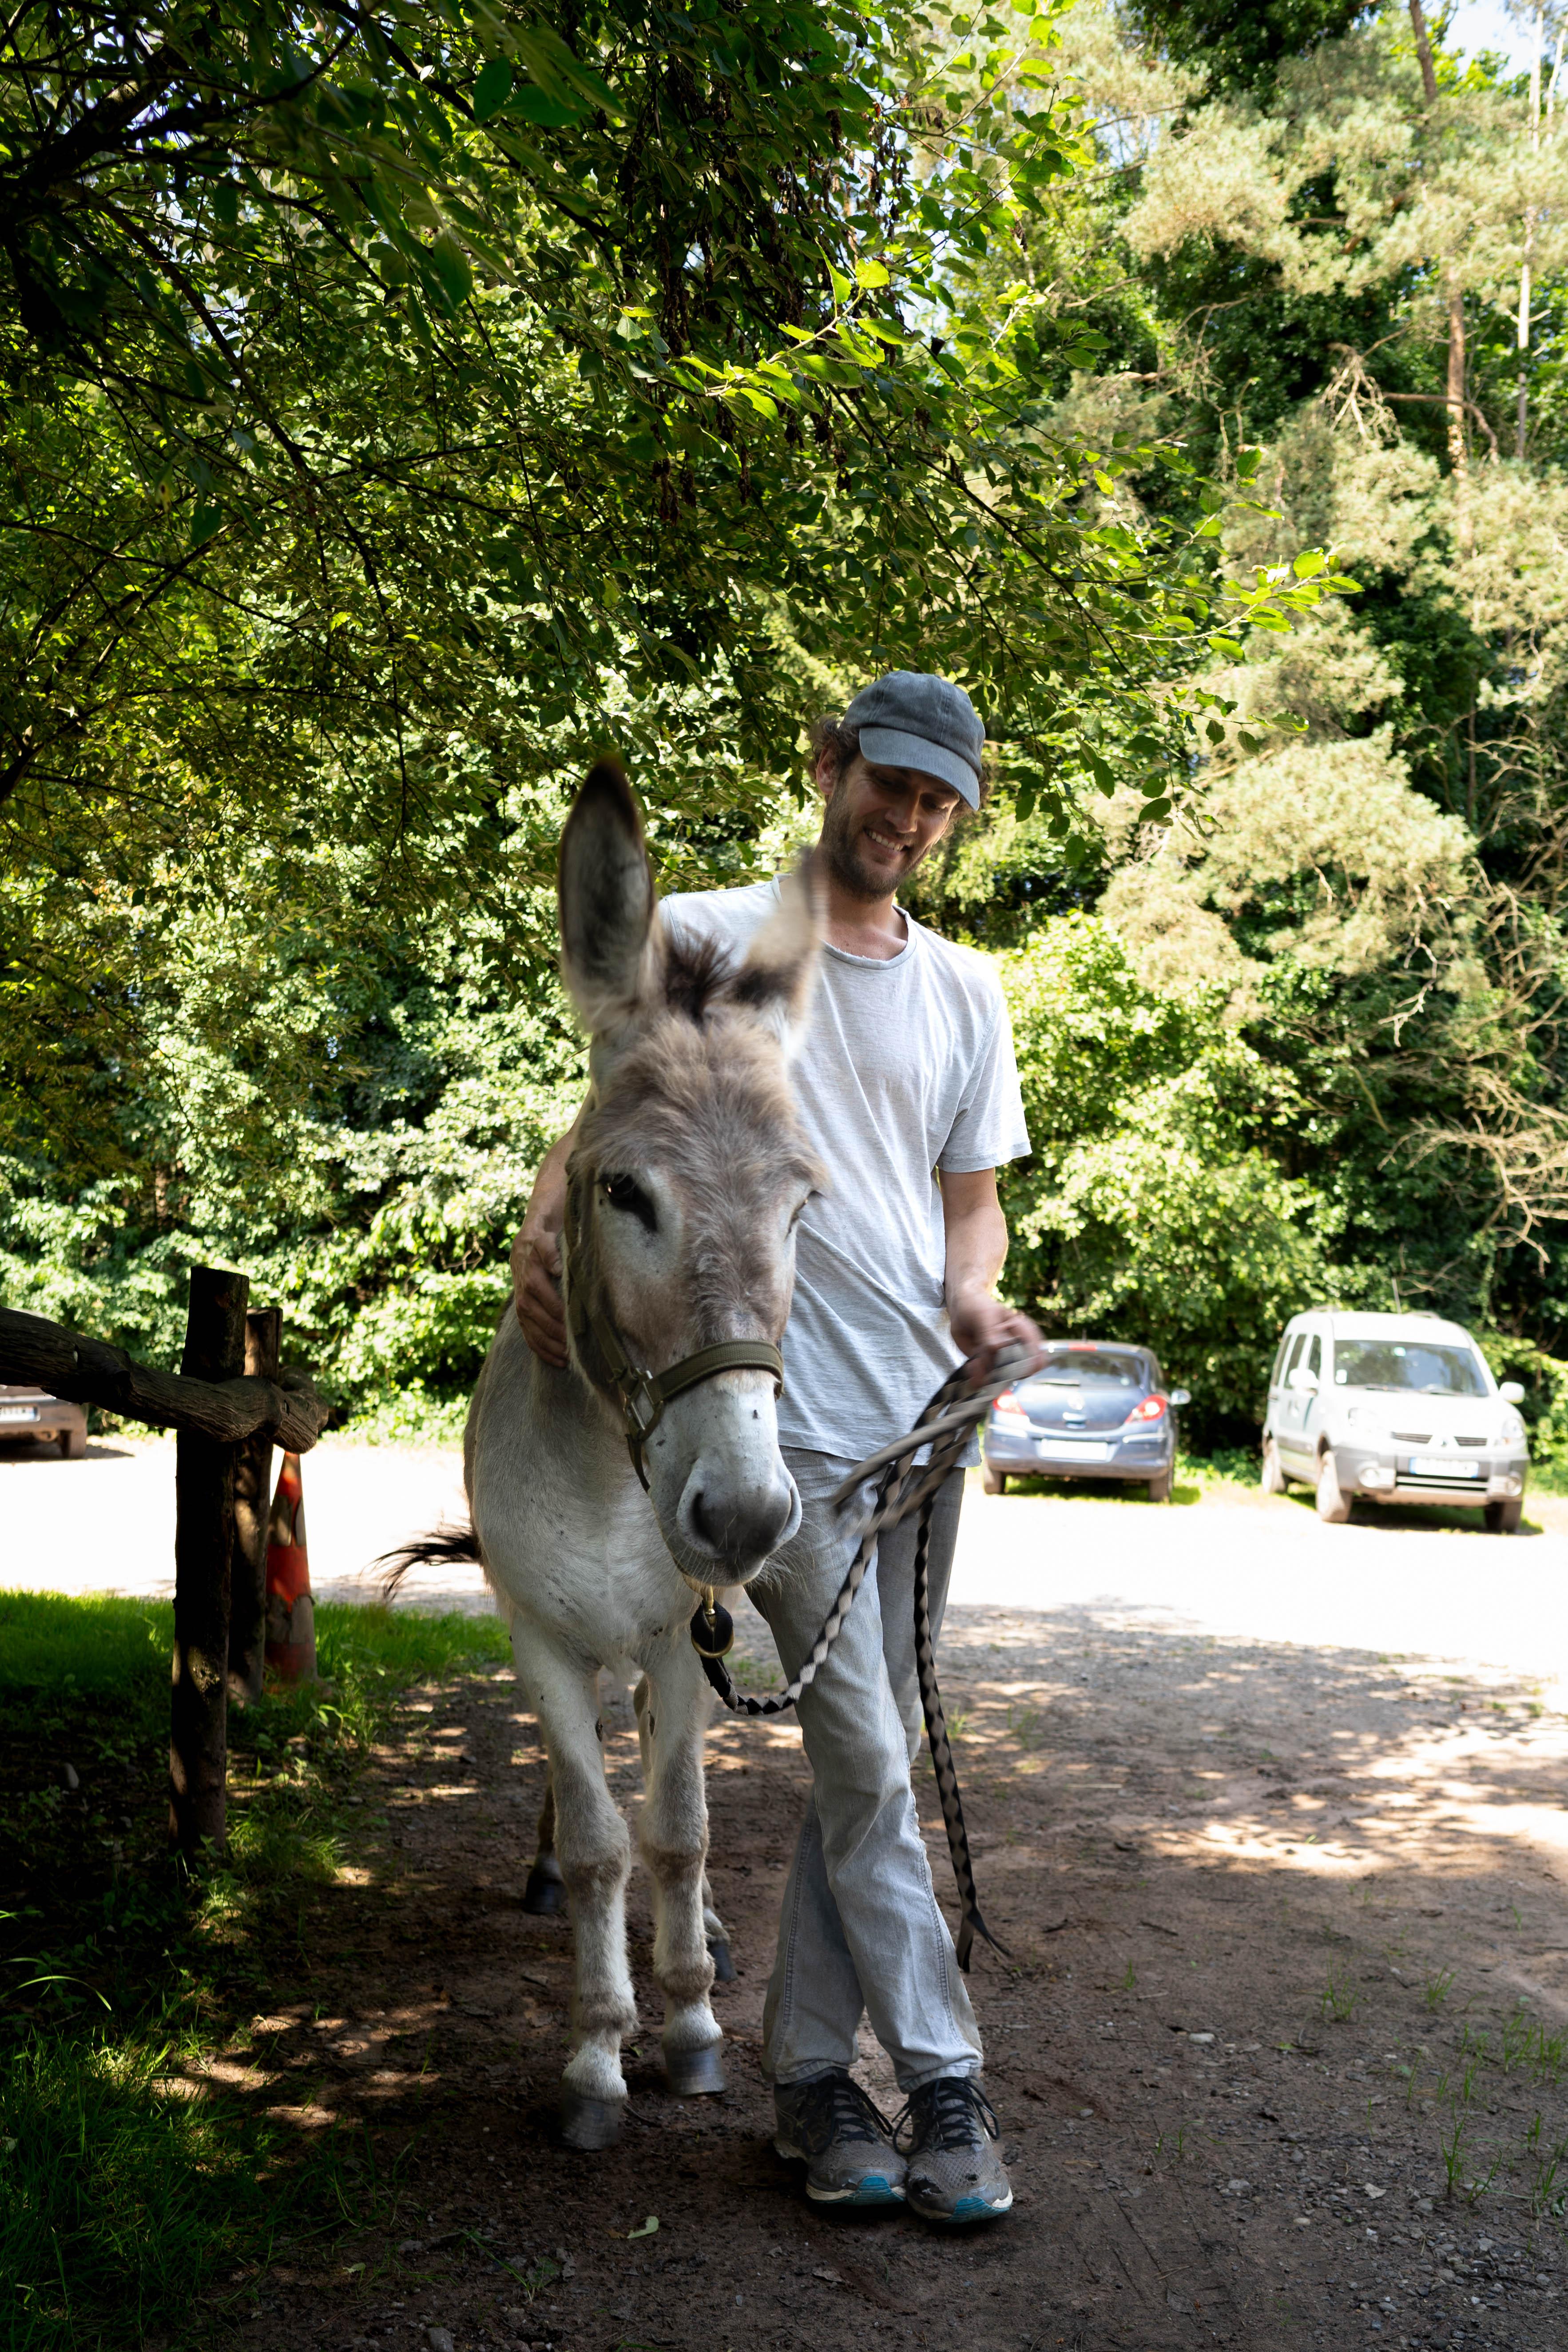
<point x="695" y="2073"/>
<point x="588" y="2123"/>
<point x="546" y="1893"/>
<point x="723" y="1966"/>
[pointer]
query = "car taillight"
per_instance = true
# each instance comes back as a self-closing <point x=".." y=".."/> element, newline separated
<point x="1007" y="1403"/>
<point x="1150" y="1409"/>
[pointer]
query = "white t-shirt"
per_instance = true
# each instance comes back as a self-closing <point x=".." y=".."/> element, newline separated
<point x="907" y="1067"/>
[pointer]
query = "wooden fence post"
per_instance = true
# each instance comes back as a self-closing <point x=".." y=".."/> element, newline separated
<point x="203" y="1549"/>
<point x="252" y="1498"/>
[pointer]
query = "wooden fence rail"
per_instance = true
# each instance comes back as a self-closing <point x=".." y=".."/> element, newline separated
<point x="88" y="1371"/>
<point x="229" y="1405"/>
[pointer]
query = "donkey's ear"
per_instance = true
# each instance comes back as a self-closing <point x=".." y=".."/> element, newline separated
<point x="779" y="973"/>
<point x="609" y="947"/>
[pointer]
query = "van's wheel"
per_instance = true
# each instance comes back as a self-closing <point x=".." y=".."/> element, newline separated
<point x="1333" y="1504"/>
<point x="1160" y="1487"/>
<point x="992" y="1482"/>
<point x="1270" y="1477"/>
<point x="1503" y="1519"/>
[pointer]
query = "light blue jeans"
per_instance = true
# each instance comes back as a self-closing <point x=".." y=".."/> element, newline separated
<point x="861" y="1932"/>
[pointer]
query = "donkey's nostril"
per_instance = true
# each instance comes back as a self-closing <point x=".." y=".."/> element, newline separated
<point x="740" y="1527"/>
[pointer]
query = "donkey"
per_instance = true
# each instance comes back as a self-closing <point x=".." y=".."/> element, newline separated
<point x="683" y="1190"/>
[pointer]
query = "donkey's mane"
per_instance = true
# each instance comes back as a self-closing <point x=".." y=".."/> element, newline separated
<point x="695" y="971"/>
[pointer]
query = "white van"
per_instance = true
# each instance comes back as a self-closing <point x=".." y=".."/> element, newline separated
<point x="1396" y="1408"/>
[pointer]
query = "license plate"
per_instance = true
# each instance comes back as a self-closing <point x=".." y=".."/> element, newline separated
<point x="18" y="1412"/>
<point x="1072" y="1449"/>
<point x="1439" y="1466"/>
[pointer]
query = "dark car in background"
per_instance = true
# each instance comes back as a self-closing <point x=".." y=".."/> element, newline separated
<point x="1095" y="1408"/>
<point x="32" y="1417"/>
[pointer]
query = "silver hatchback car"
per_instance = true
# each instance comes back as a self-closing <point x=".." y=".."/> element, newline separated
<point x="1095" y="1409"/>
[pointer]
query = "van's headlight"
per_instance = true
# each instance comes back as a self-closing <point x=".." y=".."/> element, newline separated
<point x="1357" y="1412"/>
<point x="1511" y="1430"/>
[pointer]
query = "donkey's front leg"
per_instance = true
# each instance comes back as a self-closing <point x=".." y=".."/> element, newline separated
<point x="596" y="1861"/>
<point x="672" y="1715"/>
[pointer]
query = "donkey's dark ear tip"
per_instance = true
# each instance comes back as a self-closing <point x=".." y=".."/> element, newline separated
<point x="606" y="775"/>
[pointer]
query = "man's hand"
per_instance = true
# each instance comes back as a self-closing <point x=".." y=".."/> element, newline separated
<point x="981" y="1326"/>
<point x="536" y="1256"/>
<point x="536" y="1291"/>
<point x="976" y="1249"/>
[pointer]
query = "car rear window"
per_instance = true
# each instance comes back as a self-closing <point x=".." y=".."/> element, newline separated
<point x="1424" y="1366"/>
<point x="1095" y="1365"/>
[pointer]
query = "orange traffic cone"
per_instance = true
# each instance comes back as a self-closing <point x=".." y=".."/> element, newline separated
<point x="290" y="1612"/>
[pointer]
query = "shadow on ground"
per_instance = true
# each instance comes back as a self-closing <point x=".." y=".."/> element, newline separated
<point x="1278" y="2050"/>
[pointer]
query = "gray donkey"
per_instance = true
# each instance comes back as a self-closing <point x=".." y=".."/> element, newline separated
<point x="608" y="1497"/>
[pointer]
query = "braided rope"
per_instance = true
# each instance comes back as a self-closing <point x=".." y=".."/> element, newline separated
<point x="904" y="1488"/>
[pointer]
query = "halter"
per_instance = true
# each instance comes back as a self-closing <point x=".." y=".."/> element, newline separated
<point x="644" y="1395"/>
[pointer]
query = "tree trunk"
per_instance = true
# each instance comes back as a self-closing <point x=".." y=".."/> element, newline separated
<point x="252" y="1496"/>
<point x="1458" y="455"/>
<point x="204" y="1551"/>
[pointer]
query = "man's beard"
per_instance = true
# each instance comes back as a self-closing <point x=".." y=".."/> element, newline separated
<point x="844" y="863"/>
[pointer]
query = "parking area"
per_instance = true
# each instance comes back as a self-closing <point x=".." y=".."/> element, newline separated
<point x="1220" y="1559"/>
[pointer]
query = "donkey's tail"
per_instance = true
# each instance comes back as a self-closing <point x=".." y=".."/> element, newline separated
<point x="442" y="1548"/>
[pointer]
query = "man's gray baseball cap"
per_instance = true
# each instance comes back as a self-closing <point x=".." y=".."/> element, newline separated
<point x="911" y="719"/>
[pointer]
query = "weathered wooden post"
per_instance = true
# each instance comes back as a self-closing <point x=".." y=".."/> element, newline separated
<point x="203" y="1551"/>
<point x="252" y="1494"/>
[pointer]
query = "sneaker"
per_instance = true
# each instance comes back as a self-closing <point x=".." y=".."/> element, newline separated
<point x="954" y="2172"/>
<point x="842" y="2137"/>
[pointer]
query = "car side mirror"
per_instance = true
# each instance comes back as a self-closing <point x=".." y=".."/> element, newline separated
<point x="1512" y="1392"/>
<point x="1302" y="1379"/>
<point x="1181" y="1396"/>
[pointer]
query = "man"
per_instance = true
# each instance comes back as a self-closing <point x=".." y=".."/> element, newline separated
<point x="907" y="1091"/>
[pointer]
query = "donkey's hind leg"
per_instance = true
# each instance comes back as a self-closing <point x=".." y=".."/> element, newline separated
<point x="546" y="1893"/>
<point x="672" y="1714"/>
<point x="596" y="1861"/>
<point x="718" y="1937"/>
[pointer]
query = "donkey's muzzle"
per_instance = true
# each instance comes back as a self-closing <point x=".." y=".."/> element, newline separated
<point x="740" y="1531"/>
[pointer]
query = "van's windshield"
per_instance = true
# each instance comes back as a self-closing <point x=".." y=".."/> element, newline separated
<point x="1425" y="1365"/>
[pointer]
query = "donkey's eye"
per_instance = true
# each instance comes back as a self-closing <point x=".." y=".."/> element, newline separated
<point x="625" y="1192"/>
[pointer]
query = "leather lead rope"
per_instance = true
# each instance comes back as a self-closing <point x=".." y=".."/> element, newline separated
<point x="904" y="1488"/>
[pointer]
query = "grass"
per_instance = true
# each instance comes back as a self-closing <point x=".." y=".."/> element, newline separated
<point x="124" y="2198"/>
<point x="119" y="2200"/>
<point x="1197" y="1477"/>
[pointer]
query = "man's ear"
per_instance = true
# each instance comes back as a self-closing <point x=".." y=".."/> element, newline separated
<point x="779" y="973"/>
<point x="609" y="944"/>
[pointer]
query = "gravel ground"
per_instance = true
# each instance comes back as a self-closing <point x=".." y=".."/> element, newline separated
<point x="1281" y="1924"/>
<point x="1269" y="1815"/>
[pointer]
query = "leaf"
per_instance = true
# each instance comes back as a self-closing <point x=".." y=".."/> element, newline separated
<point x="492" y="88"/>
<point x="648" y="2226"/>
<point x="449" y="265"/>
<point x="544" y="112"/>
<point x="205" y="523"/>
<point x="871" y="273"/>
<point x="842" y="290"/>
<point x="1309" y="563"/>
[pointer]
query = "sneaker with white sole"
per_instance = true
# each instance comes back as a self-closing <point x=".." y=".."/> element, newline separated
<point x="845" y="2142"/>
<point x="954" y="2172"/>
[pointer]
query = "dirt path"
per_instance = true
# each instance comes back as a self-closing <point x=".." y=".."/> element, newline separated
<point x="1264" y="1906"/>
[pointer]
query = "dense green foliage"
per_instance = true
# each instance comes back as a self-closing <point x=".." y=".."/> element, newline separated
<point x="494" y="384"/>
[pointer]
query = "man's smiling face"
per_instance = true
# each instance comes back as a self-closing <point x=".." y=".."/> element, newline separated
<point x="880" y="824"/>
